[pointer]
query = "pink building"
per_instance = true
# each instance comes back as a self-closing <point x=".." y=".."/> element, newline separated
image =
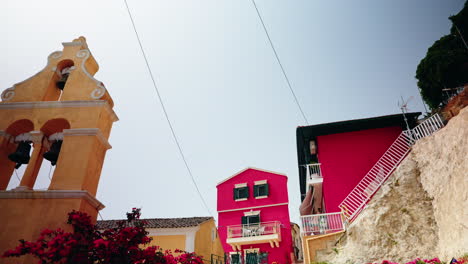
<point x="334" y="157"/>
<point x="254" y="225"/>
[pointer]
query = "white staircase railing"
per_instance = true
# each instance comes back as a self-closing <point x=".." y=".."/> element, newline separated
<point x="357" y="199"/>
<point x="319" y="224"/>
<point x="428" y="127"/>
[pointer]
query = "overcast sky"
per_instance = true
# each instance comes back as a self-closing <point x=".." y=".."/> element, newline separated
<point x="221" y="84"/>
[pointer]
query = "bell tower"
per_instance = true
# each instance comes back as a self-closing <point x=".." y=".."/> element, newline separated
<point x="61" y="115"/>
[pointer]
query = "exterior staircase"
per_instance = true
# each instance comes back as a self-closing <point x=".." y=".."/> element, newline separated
<point x="358" y="198"/>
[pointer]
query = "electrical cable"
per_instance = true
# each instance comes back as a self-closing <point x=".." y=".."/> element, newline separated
<point x="280" y="64"/>
<point x="16" y="173"/>
<point x="99" y="213"/>
<point x="165" y="111"/>
<point x="50" y="170"/>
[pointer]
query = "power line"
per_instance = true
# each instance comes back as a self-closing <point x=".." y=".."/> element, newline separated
<point x="99" y="213"/>
<point x="16" y="173"/>
<point x="280" y="64"/>
<point x="165" y="112"/>
<point x="50" y="170"/>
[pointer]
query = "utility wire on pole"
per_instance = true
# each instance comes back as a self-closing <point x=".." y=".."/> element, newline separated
<point x="280" y="64"/>
<point x="165" y="111"/>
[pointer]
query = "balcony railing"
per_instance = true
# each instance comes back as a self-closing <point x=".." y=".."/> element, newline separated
<point x="320" y="224"/>
<point x="314" y="173"/>
<point x="251" y="230"/>
<point x="268" y="232"/>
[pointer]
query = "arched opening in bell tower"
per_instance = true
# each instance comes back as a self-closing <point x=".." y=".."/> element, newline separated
<point x="59" y="80"/>
<point x="64" y="69"/>
<point x="52" y="143"/>
<point x="18" y="153"/>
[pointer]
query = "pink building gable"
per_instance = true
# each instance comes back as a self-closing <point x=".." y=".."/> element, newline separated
<point x="272" y="210"/>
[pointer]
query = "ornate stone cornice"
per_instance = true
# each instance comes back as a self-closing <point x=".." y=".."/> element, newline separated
<point x="36" y="136"/>
<point x="73" y="43"/>
<point x="52" y="194"/>
<point x="87" y="132"/>
<point x="60" y="104"/>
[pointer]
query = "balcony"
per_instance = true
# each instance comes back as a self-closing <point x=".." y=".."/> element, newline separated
<point x="313" y="174"/>
<point x="321" y="224"/>
<point x="268" y="232"/>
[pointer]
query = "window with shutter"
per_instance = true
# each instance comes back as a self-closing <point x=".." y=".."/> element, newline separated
<point x="251" y="258"/>
<point x="241" y="193"/>
<point x="250" y="219"/>
<point x="261" y="190"/>
<point x="235" y="259"/>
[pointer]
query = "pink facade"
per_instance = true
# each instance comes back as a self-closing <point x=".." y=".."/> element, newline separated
<point x="272" y="209"/>
<point x="346" y="157"/>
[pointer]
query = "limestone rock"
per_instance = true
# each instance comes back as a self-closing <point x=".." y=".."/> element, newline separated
<point x="421" y="211"/>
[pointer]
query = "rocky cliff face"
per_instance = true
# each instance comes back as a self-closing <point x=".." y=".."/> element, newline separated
<point x="422" y="210"/>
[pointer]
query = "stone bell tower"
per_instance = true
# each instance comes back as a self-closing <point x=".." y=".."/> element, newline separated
<point x="61" y="115"/>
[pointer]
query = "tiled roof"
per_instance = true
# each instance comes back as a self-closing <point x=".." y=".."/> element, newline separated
<point x="159" y="222"/>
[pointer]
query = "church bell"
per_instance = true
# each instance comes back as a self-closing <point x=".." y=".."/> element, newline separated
<point x="61" y="83"/>
<point x="53" y="153"/>
<point x="21" y="155"/>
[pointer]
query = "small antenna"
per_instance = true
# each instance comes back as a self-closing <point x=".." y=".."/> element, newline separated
<point x="404" y="109"/>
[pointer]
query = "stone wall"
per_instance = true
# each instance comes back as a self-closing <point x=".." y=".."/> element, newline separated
<point x="422" y="209"/>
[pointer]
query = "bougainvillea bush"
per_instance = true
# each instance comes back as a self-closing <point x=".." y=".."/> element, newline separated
<point x="86" y="245"/>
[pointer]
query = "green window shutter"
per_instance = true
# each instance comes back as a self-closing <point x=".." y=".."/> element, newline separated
<point x="267" y="191"/>
<point x="256" y="190"/>
<point x="244" y="220"/>
<point x="245" y="192"/>
<point x="235" y="259"/>
<point x="240" y="193"/>
<point x="235" y="194"/>
<point x="251" y="258"/>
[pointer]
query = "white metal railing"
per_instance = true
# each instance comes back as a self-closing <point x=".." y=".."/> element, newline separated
<point x="319" y="224"/>
<point x="313" y="173"/>
<point x="449" y="93"/>
<point x="356" y="200"/>
<point x="427" y="127"/>
<point x="251" y="230"/>
<point x="365" y="189"/>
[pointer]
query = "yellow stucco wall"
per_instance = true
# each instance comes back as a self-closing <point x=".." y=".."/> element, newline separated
<point x="25" y="218"/>
<point x="171" y="242"/>
<point x="313" y="243"/>
<point x="205" y="243"/>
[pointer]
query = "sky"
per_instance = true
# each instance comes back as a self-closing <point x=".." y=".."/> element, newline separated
<point x="221" y="85"/>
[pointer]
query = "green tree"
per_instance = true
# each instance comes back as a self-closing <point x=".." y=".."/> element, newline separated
<point x="446" y="62"/>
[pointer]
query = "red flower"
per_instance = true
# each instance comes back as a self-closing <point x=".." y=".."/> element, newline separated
<point x="88" y="246"/>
